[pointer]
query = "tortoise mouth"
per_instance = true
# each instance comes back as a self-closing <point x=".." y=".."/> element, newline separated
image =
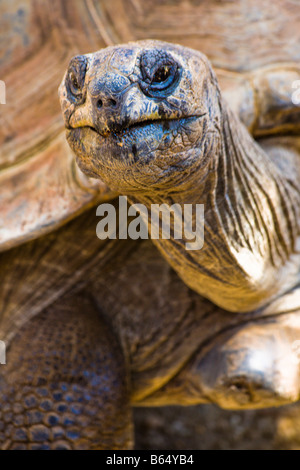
<point x="118" y="131"/>
<point x="134" y="142"/>
<point x="123" y="129"/>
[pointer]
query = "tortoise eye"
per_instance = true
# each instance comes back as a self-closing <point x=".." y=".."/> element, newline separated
<point x="163" y="77"/>
<point x="74" y="85"/>
<point x="76" y="76"/>
<point x="162" y="74"/>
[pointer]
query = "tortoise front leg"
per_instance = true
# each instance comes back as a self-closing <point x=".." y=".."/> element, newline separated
<point x="64" y="385"/>
<point x="255" y="365"/>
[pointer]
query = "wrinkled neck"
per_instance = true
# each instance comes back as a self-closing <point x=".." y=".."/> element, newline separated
<point x="249" y="256"/>
<point x="254" y="207"/>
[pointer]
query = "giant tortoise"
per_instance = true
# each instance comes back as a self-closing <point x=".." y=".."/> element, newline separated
<point x="93" y="326"/>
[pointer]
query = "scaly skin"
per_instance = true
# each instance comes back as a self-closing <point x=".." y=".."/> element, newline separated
<point x="57" y="380"/>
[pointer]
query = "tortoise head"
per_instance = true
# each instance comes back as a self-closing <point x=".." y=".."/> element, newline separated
<point x="141" y="116"/>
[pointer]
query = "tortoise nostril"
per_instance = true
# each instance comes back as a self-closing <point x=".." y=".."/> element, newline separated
<point x="112" y="103"/>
